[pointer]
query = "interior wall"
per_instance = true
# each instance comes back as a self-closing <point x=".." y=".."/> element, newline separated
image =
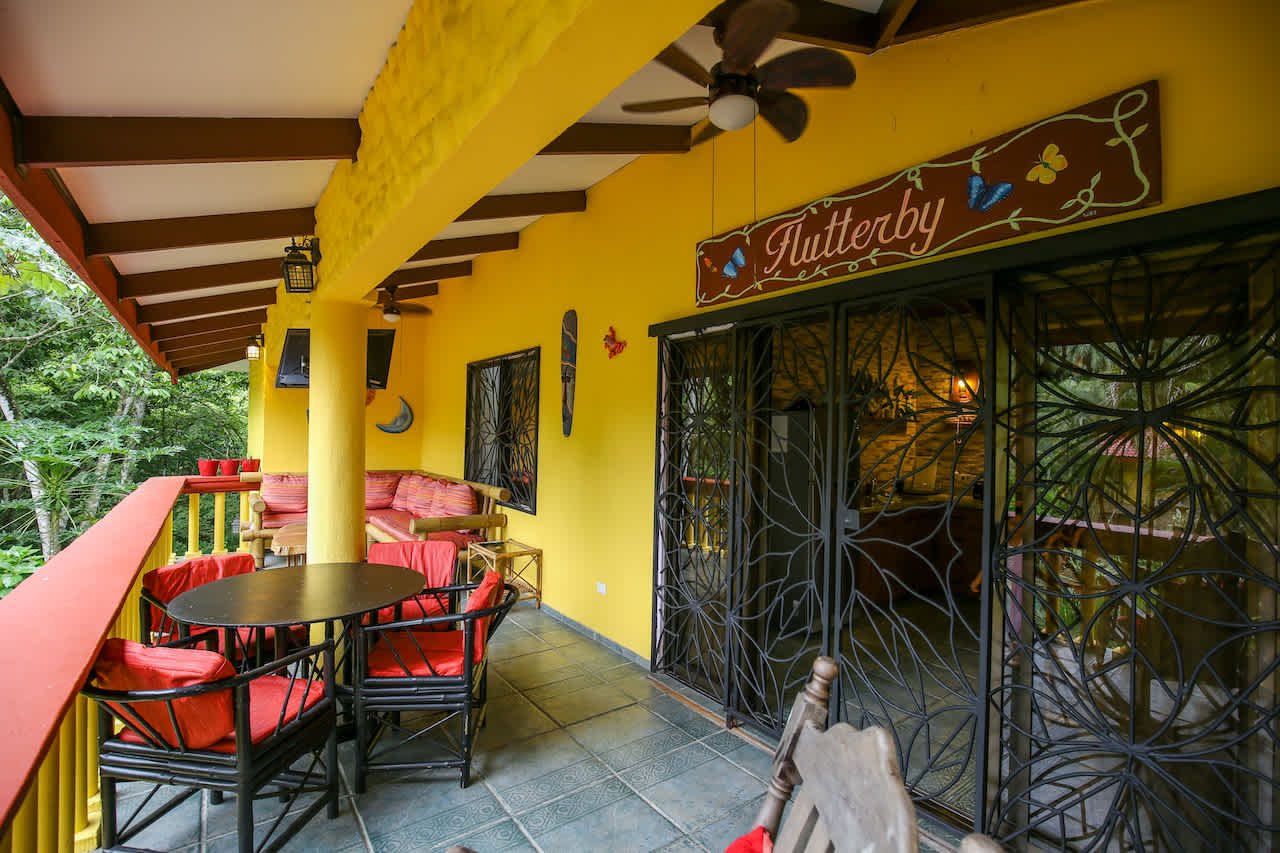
<point x="629" y="260"/>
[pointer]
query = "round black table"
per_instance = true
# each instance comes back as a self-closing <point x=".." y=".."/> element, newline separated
<point x="312" y="592"/>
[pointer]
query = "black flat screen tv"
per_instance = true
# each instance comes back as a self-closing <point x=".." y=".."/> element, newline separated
<point x="295" y="359"/>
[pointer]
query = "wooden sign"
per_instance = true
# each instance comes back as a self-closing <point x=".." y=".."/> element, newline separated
<point x="1097" y="160"/>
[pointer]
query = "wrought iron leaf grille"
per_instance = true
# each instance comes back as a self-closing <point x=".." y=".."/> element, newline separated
<point x="502" y="425"/>
<point x="1037" y="524"/>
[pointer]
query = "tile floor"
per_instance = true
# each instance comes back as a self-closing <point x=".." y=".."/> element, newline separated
<point x="581" y="751"/>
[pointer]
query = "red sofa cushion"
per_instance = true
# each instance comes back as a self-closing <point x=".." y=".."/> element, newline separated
<point x="393" y="522"/>
<point x="285" y="492"/>
<point x="456" y="499"/>
<point x="409" y="483"/>
<point x="425" y="498"/>
<point x="272" y="520"/>
<point x="203" y="720"/>
<point x="380" y="490"/>
<point x="442" y="648"/>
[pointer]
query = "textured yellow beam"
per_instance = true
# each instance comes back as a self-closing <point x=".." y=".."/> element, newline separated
<point x="469" y="93"/>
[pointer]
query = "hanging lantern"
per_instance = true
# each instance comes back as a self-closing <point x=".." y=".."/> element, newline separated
<point x="299" y="265"/>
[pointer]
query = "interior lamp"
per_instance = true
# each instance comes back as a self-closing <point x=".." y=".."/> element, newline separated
<point x="253" y="351"/>
<point x="299" y="266"/>
<point x="732" y="111"/>
<point x="391" y="313"/>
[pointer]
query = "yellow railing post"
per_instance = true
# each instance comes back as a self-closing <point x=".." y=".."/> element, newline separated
<point x="47" y="801"/>
<point x="193" y="525"/>
<point x="219" y="523"/>
<point x="245" y="545"/>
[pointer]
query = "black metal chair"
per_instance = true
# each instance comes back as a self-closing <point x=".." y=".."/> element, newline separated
<point x="282" y="713"/>
<point x="411" y="673"/>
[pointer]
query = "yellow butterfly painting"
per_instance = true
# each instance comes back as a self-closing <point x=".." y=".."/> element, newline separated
<point x="1050" y="164"/>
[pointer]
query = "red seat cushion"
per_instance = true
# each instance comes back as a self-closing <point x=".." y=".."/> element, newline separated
<point x="285" y="492"/>
<point x="272" y="520"/>
<point x="755" y="841"/>
<point x="380" y="489"/>
<point x="442" y="648"/>
<point x="267" y="695"/>
<point x="392" y="522"/>
<point x="203" y="720"/>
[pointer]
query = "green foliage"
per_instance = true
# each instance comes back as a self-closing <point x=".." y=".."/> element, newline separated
<point x="16" y="563"/>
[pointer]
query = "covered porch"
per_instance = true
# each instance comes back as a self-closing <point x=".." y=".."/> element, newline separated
<point x="722" y="481"/>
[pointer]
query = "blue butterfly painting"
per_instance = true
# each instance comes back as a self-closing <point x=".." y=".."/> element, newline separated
<point x="736" y="262"/>
<point x="984" y="196"/>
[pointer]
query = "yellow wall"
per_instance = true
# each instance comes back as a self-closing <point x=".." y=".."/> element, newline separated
<point x="284" y="420"/>
<point x="628" y="261"/>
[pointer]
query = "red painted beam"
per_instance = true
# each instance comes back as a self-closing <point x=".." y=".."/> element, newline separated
<point x="36" y="195"/>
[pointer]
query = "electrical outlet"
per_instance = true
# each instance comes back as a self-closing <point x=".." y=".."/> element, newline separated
<point x="600" y="587"/>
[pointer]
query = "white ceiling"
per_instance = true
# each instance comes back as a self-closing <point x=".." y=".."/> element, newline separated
<point x="208" y="291"/>
<point x="199" y="256"/>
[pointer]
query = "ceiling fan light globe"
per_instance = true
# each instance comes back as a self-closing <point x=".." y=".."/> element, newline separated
<point x="391" y="314"/>
<point x="733" y="112"/>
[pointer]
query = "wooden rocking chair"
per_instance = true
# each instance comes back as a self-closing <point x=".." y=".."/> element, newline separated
<point x="852" y="796"/>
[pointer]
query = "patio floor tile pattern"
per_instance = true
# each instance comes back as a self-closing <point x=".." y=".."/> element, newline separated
<point x="581" y="751"/>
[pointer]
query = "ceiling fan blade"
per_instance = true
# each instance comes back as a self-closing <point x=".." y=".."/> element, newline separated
<point x="410" y="308"/>
<point x="807" y="68"/>
<point x="704" y="132"/>
<point x="750" y="29"/>
<point x="788" y="113"/>
<point x="675" y="58"/>
<point x="664" y="105"/>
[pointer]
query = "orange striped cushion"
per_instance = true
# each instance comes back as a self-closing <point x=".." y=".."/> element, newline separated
<point x="285" y="492"/>
<point x="408" y="484"/>
<point x="424" y="499"/>
<point x="380" y="490"/>
<point x="456" y="499"/>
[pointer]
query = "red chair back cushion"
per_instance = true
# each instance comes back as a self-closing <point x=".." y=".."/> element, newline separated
<point x="285" y="492"/>
<point x="409" y="483"/>
<point x="482" y="598"/>
<point x="435" y="561"/>
<point x="203" y="720"/>
<point x="380" y="490"/>
<point x="168" y="582"/>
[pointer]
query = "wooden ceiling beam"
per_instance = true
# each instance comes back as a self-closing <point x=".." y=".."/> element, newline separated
<point x="164" y="312"/>
<point x="932" y="18"/>
<point x="478" y="245"/>
<point x="53" y="142"/>
<point x="416" y="291"/>
<point x="205" y="362"/>
<point x="585" y="138"/>
<point x="525" y="204"/>
<point x="166" y="282"/>
<point x="240" y="320"/>
<point x="151" y="235"/>
<point x="193" y="353"/>
<point x="221" y="336"/>
<point x="818" y="23"/>
<point x="893" y="14"/>
<point x="416" y="275"/>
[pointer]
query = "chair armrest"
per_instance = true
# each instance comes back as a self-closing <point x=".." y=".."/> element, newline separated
<point x="257" y="506"/>
<point x="457" y="522"/>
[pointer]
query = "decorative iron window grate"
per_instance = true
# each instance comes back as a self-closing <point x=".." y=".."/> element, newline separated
<point x="502" y="425"/>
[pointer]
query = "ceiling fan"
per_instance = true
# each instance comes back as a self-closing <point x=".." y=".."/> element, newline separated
<point x="737" y="90"/>
<point x="391" y="309"/>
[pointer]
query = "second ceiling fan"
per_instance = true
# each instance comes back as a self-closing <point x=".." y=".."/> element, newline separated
<point x="737" y="90"/>
<point x="391" y="310"/>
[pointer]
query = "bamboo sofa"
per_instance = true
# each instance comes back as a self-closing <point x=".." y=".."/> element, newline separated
<point x="399" y="506"/>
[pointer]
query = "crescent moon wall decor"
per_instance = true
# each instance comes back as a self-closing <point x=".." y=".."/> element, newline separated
<point x="402" y="421"/>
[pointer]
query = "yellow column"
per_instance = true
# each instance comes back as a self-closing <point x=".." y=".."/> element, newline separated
<point x="219" y="523"/>
<point x="335" y="443"/>
<point x="193" y="525"/>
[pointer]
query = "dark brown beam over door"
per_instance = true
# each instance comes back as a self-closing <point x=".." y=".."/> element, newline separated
<point x="240" y="320"/>
<point x="51" y="142"/>
<point x="528" y="204"/>
<point x="820" y="23"/>
<point x="164" y="312"/>
<point x="468" y="246"/>
<point x="621" y="139"/>
<point x="893" y="14"/>
<point x="931" y="17"/>
<point x="193" y="353"/>
<point x="197" y="278"/>
<point x="220" y="336"/>
<point x="150" y="235"/>
<point x="421" y="274"/>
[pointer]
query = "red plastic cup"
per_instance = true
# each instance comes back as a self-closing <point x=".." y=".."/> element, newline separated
<point x="208" y="467"/>
<point x="229" y="466"/>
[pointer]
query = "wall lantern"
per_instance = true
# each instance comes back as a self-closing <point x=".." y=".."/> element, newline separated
<point x="253" y="351"/>
<point x="299" y="265"/>
<point x="964" y="383"/>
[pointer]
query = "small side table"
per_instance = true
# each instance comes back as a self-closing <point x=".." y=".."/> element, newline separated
<point x="512" y="559"/>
